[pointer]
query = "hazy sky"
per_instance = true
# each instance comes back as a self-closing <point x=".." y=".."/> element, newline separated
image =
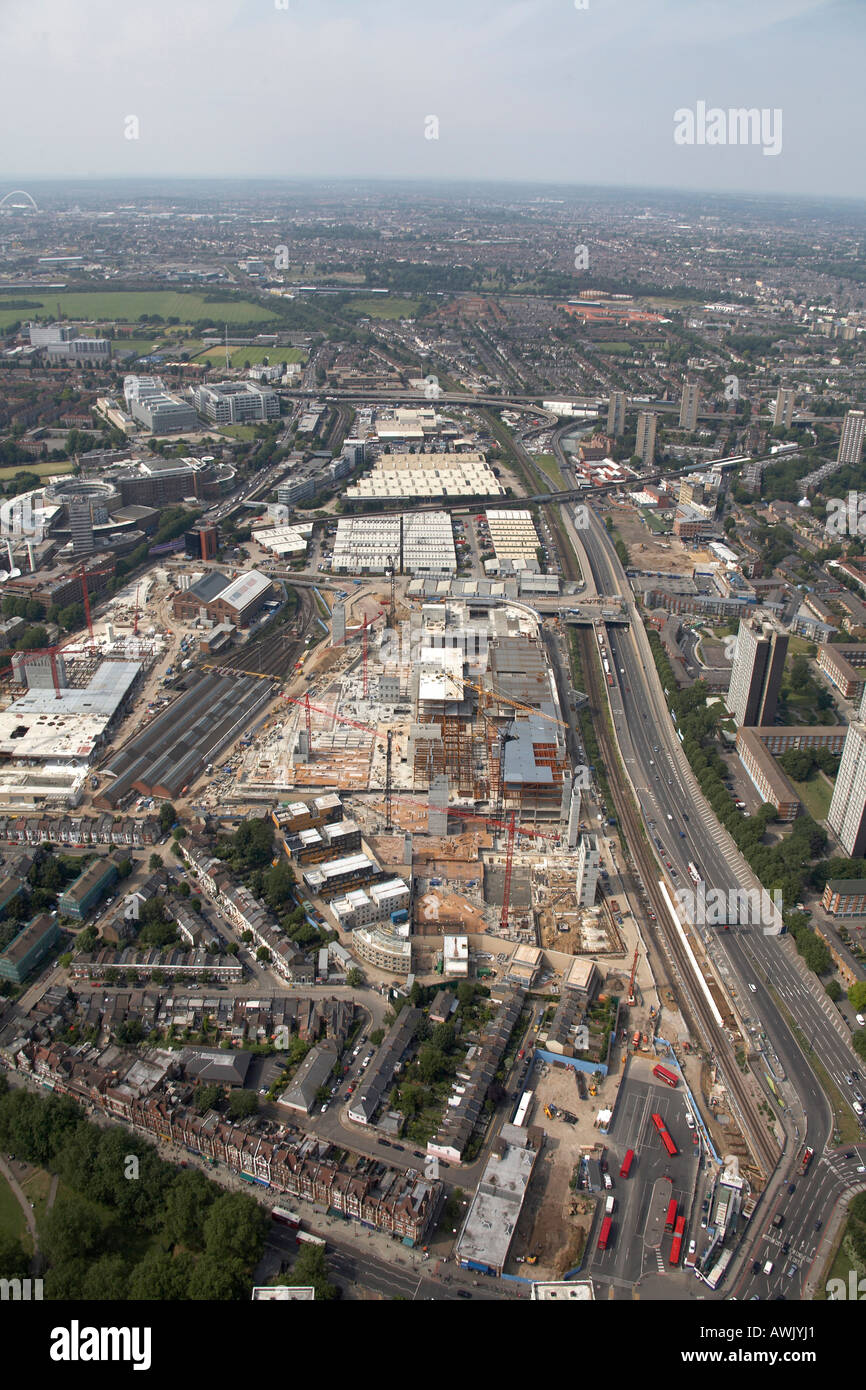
<point x="534" y="89"/>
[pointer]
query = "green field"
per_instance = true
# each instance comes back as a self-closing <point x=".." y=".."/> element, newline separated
<point x="548" y="464"/>
<point x="656" y="524"/>
<point x="42" y="470"/>
<point x="618" y="348"/>
<point x="254" y="355"/>
<point x="384" y="307"/>
<point x="815" y="795"/>
<point x="125" y="306"/>
<point x="142" y="346"/>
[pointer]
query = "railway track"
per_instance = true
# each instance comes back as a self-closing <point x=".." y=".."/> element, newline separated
<point x="277" y="651"/>
<point x="664" y="938"/>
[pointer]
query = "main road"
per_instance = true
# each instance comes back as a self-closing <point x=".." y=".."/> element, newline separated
<point x="759" y="970"/>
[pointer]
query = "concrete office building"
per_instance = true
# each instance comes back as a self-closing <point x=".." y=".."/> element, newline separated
<point x="756" y="675"/>
<point x="784" y="412"/>
<point x="847" y="814"/>
<point x="63" y="342"/>
<point x="689" y="406"/>
<point x="851" y="441"/>
<point x="150" y="404"/>
<point x="296" y="490"/>
<point x="645" y="445"/>
<point x="237" y="402"/>
<point x="165" y="414"/>
<point x="80" y="519"/>
<point x="616" y="413"/>
<point x="588" y="869"/>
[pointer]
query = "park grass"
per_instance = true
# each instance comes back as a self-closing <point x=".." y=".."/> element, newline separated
<point x="840" y="1266"/>
<point x="36" y="1189"/>
<point x="125" y="306"/>
<point x="244" y="432"/>
<point x="815" y="795"/>
<point x="42" y="469"/>
<point x="385" y="307"/>
<point x="12" y="1221"/>
<point x="548" y="464"/>
<point x="618" y="349"/>
<point x="799" y="646"/>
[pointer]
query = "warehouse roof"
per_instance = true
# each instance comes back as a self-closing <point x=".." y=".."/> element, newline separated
<point x="245" y="589"/>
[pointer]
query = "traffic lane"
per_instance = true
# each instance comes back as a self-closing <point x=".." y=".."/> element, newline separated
<point x="713" y="867"/>
<point x="706" y="856"/>
<point x="819" y="1114"/>
<point x="373" y="1272"/>
<point x="757" y="970"/>
<point x="811" y="1203"/>
<point x="816" y="1193"/>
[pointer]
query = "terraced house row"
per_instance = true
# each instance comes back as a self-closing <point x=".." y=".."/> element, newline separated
<point x="404" y="1205"/>
<point x="79" y="830"/>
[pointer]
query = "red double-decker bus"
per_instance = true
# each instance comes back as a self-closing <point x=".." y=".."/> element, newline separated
<point x="677" y="1242"/>
<point x="667" y="1076"/>
<point x="626" y="1164"/>
<point x="671" y="1218"/>
<point x="604" y="1233"/>
<point x="664" y="1136"/>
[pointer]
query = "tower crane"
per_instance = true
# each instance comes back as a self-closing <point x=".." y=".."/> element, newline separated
<point x="630" y="999"/>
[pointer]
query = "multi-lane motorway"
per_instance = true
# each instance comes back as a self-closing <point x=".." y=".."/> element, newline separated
<point x="760" y="970"/>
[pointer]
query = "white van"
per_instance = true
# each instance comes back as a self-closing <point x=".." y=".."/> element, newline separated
<point x="861" y="1020"/>
<point x="768" y="1267"/>
<point x="609" y="1206"/>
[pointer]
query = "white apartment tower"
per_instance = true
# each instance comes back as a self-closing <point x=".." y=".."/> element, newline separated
<point x="756" y="674"/>
<point x="851" y="442"/>
<point x="645" y="445"/>
<point x="847" y="814"/>
<point x="689" y="406"/>
<point x="616" y="413"/>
